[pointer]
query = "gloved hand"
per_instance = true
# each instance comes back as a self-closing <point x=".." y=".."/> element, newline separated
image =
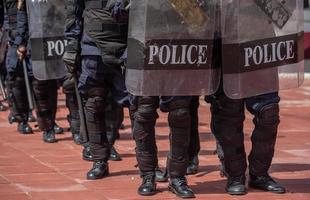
<point x="119" y="11"/>
<point x="71" y="57"/>
<point x="21" y="52"/>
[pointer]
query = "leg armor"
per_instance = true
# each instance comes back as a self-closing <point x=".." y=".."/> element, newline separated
<point x="45" y="95"/>
<point x="179" y="120"/>
<point x="265" y="109"/>
<point x="72" y="105"/>
<point x="95" y="121"/>
<point x="227" y="126"/>
<point x="145" y="116"/>
<point x="18" y="98"/>
<point x="194" y="146"/>
<point x="113" y="113"/>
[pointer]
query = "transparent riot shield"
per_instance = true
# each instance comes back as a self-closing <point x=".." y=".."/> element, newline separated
<point x="262" y="46"/>
<point x="46" y="21"/>
<point x="170" y="46"/>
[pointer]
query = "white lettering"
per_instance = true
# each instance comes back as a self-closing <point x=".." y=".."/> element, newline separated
<point x="153" y="52"/>
<point x="164" y="50"/>
<point x="50" y="47"/>
<point x="290" y="53"/>
<point x="189" y="54"/>
<point x="269" y="53"/>
<point x="202" y="54"/>
<point x="248" y="55"/>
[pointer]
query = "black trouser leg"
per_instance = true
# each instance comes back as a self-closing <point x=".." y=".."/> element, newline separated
<point x="95" y="121"/>
<point x="227" y="124"/>
<point x="180" y="125"/>
<point x="45" y="94"/>
<point x="145" y="116"/>
<point x="194" y="146"/>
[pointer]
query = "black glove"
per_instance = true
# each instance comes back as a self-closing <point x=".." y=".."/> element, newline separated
<point x="71" y="57"/>
<point x="119" y="11"/>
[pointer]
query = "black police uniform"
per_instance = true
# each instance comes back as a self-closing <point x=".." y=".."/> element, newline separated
<point x="227" y="119"/>
<point x="144" y="112"/>
<point x="15" y="79"/>
<point x="45" y="91"/>
<point x="100" y="40"/>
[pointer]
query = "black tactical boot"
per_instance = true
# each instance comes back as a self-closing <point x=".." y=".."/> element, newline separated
<point x="161" y="176"/>
<point x="179" y="187"/>
<point x="58" y="129"/>
<point x="31" y="118"/>
<point x="24" y="128"/>
<point x="114" y="155"/>
<point x="3" y="107"/>
<point x="86" y="154"/>
<point x="148" y="186"/>
<point x="236" y="185"/>
<point x="193" y="166"/>
<point x="265" y="183"/>
<point x="76" y="139"/>
<point x="100" y="169"/>
<point x="12" y="119"/>
<point x="49" y="136"/>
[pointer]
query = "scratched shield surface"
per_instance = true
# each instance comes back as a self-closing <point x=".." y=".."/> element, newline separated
<point x="46" y="30"/>
<point x="262" y="46"/>
<point x="170" y="46"/>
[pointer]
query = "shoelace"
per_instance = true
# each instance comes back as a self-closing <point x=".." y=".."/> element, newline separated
<point x="238" y="179"/>
<point x="182" y="181"/>
<point x="148" y="178"/>
<point x="266" y="178"/>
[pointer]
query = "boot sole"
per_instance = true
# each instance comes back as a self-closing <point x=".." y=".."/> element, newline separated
<point x="115" y="159"/>
<point x="88" y="159"/>
<point x="192" y="172"/>
<point x="171" y="189"/>
<point x="25" y="133"/>
<point x="50" y="142"/>
<point x="98" y="177"/>
<point x="147" y="194"/>
<point x="266" y="190"/>
<point x="236" y="193"/>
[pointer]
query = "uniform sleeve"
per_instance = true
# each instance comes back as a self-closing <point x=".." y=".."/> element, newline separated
<point x="22" y="24"/>
<point x="1" y="14"/>
<point x="74" y="24"/>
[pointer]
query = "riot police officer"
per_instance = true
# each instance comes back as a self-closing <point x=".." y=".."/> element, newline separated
<point x="15" y="78"/>
<point x="228" y="114"/>
<point x="100" y="46"/>
<point x="3" y="50"/>
<point x="145" y="116"/>
<point x="45" y="91"/>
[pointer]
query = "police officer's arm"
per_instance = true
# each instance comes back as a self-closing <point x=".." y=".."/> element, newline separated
<point x="22" y="29"/>
<point x="119" y="9"/>
<point x="73" y="32"/>
<point x="1" y="14"/>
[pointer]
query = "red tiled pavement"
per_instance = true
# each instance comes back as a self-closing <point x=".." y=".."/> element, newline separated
<point x="31" y="169"/>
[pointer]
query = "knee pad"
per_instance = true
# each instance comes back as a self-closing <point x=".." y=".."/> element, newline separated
<point x="68" y="86"/>
<point x="268" y="115"/>
<point x="179" y="118"/>
<point x="266" y="123"/>
<point x="94" y="109"/>
<point x="145" y="114"/>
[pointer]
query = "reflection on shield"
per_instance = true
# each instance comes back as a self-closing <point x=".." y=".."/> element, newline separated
<point x="262" y="46"/>
<point x="46" y="29"/>
<point x="170" y="46"/>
